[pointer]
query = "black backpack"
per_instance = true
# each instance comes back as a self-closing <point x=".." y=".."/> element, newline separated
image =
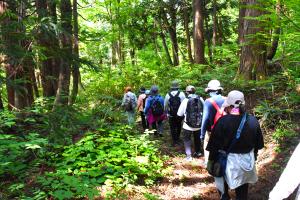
<point x="174" y="103"/>
<point x="194" y="110"/>
<point x="156" y="107"/>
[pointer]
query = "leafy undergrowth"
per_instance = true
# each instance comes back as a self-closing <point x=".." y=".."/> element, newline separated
<point x="114" y="158"/>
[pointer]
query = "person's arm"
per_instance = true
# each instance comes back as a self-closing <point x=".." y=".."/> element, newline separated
<point x="147" y="106"/>
<point x="182" y="96"/>
<point x="166" y="103"/>
<point x="123" y="100"/>
<point x="181" y="109"/>
<point x="205" y="119"/>
<point x="289" y="179"/>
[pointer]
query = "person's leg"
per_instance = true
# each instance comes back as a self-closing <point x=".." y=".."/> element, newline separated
<point x="242" y="192"/>
<point x="144" y="123"/>
<point x="160" y="128"/>
<point x="172" y="123"/>
<point x="187" y="143"/>
<point x="206" y="153"/>
<point x="197" y="144"/>
<point x="131" y="117"/>
<point x="225" y="195"/>
<point x="154" y="127"/>
<point x="178" y="128"/>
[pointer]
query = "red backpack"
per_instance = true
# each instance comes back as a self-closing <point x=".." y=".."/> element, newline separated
<point x="219" y="112"/>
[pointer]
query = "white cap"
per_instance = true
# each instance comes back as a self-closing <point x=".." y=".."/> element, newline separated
<point x="213" y="85"/>
<point x="234" y="98"/>
<point x="190" y="88"/>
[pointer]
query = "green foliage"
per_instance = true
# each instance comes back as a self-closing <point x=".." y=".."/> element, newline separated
<point x="284" y="130"/>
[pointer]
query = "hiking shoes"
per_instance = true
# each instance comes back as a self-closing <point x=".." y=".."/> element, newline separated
<point x="189" y="158"/>
<point x="197" y="155"/>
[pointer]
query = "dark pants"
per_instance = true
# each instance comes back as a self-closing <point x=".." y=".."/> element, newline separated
<point x="144" y="121"/>
<point x="188" y="141"/>
<point x="240" y="192"/>
<point x="175" y="128"/>
<point x="158" y="126"/>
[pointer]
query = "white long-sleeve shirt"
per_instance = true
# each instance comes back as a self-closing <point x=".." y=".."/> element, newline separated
<point x="182" y="112"/>
<point x="289" y="179"/>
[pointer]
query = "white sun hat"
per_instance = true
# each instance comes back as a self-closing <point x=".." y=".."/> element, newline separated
<point x="213" y="85"/>
<point x="234" y="98"/>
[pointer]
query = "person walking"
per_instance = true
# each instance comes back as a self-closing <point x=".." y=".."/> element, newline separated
<point x="129" y="104"/>
<point x="191" y="108"/>
<point x="173" y="100"/>
<point x="154" y="111"/>
<point x="211" y="113"/>
<point x="141" y="105"/>
<point x="241" y="147"/>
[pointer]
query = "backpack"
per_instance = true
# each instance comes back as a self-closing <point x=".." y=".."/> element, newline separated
<point x="156" y="107"/>
<point x="194" y="110"/>
<point x="219" y="112"/>
<point x="174" y="103"/>
<point x="128" y="103"/>
<point x="144" y="101"/>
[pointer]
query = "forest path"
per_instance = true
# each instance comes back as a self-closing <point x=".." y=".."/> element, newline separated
<point x="190" y="180"/>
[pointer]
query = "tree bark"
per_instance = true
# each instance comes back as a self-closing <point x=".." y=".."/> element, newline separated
<point x="1" y="102"/>
<point x="62" y="94"/>
<point x="187" y="31"/>
<point x="75" y="67"/>
<point x="215" y="25"/>
<point x="54" y="47"/>
<point x="8" y="43"/>
<point x="171" y="28"/>
<point x="164" y="42"/>
<point x="43" y="41"/>
<point x="198" y="32"/>
<point x="253" y="49"/>
<point x="272" y="50"/>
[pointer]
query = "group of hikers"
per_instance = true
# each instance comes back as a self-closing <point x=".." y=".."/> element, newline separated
<point x="224" y="133"/>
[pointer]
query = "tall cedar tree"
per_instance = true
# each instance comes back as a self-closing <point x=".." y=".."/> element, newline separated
<point x="253" y="46"/>
<point x="75" y="66"/>
<point x="198" y="32"/>
<point x="44" y="41"/>
<point x="62" y="94"/>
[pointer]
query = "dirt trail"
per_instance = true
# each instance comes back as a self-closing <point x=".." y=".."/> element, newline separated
<point x="190" y="180"/>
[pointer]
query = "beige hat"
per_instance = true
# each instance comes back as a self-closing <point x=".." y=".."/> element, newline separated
<point x="234" y="98"/>
<point x="213" y="85"/>
<point x="190" y="88"/>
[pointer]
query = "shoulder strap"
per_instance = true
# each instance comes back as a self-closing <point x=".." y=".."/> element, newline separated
<point x="177" y="94"/>
<point x="238" y="133"/>
<point x="215" y="105"/>
<point x="170" y="94"/>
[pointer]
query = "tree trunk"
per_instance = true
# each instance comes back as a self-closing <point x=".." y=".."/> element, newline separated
<point x="75" y="69"/>
<point x="171" y="27"/>
<point x="208" y="39"/>
<point x="164" y="42"/>
<point x="187" y="31"/>
<point x="253" y="49"/>
<point x="8" y="43"/>
<point x="62" y="94"/>
<point x="242" y="11"/>
<point x="1" y="102"/>
<point x="272" y="50"/>
<point x="215" y="25"/>
<point x="45" y="43"/>
<point x="198" y="32"/>
<point x="54" y="45"/>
